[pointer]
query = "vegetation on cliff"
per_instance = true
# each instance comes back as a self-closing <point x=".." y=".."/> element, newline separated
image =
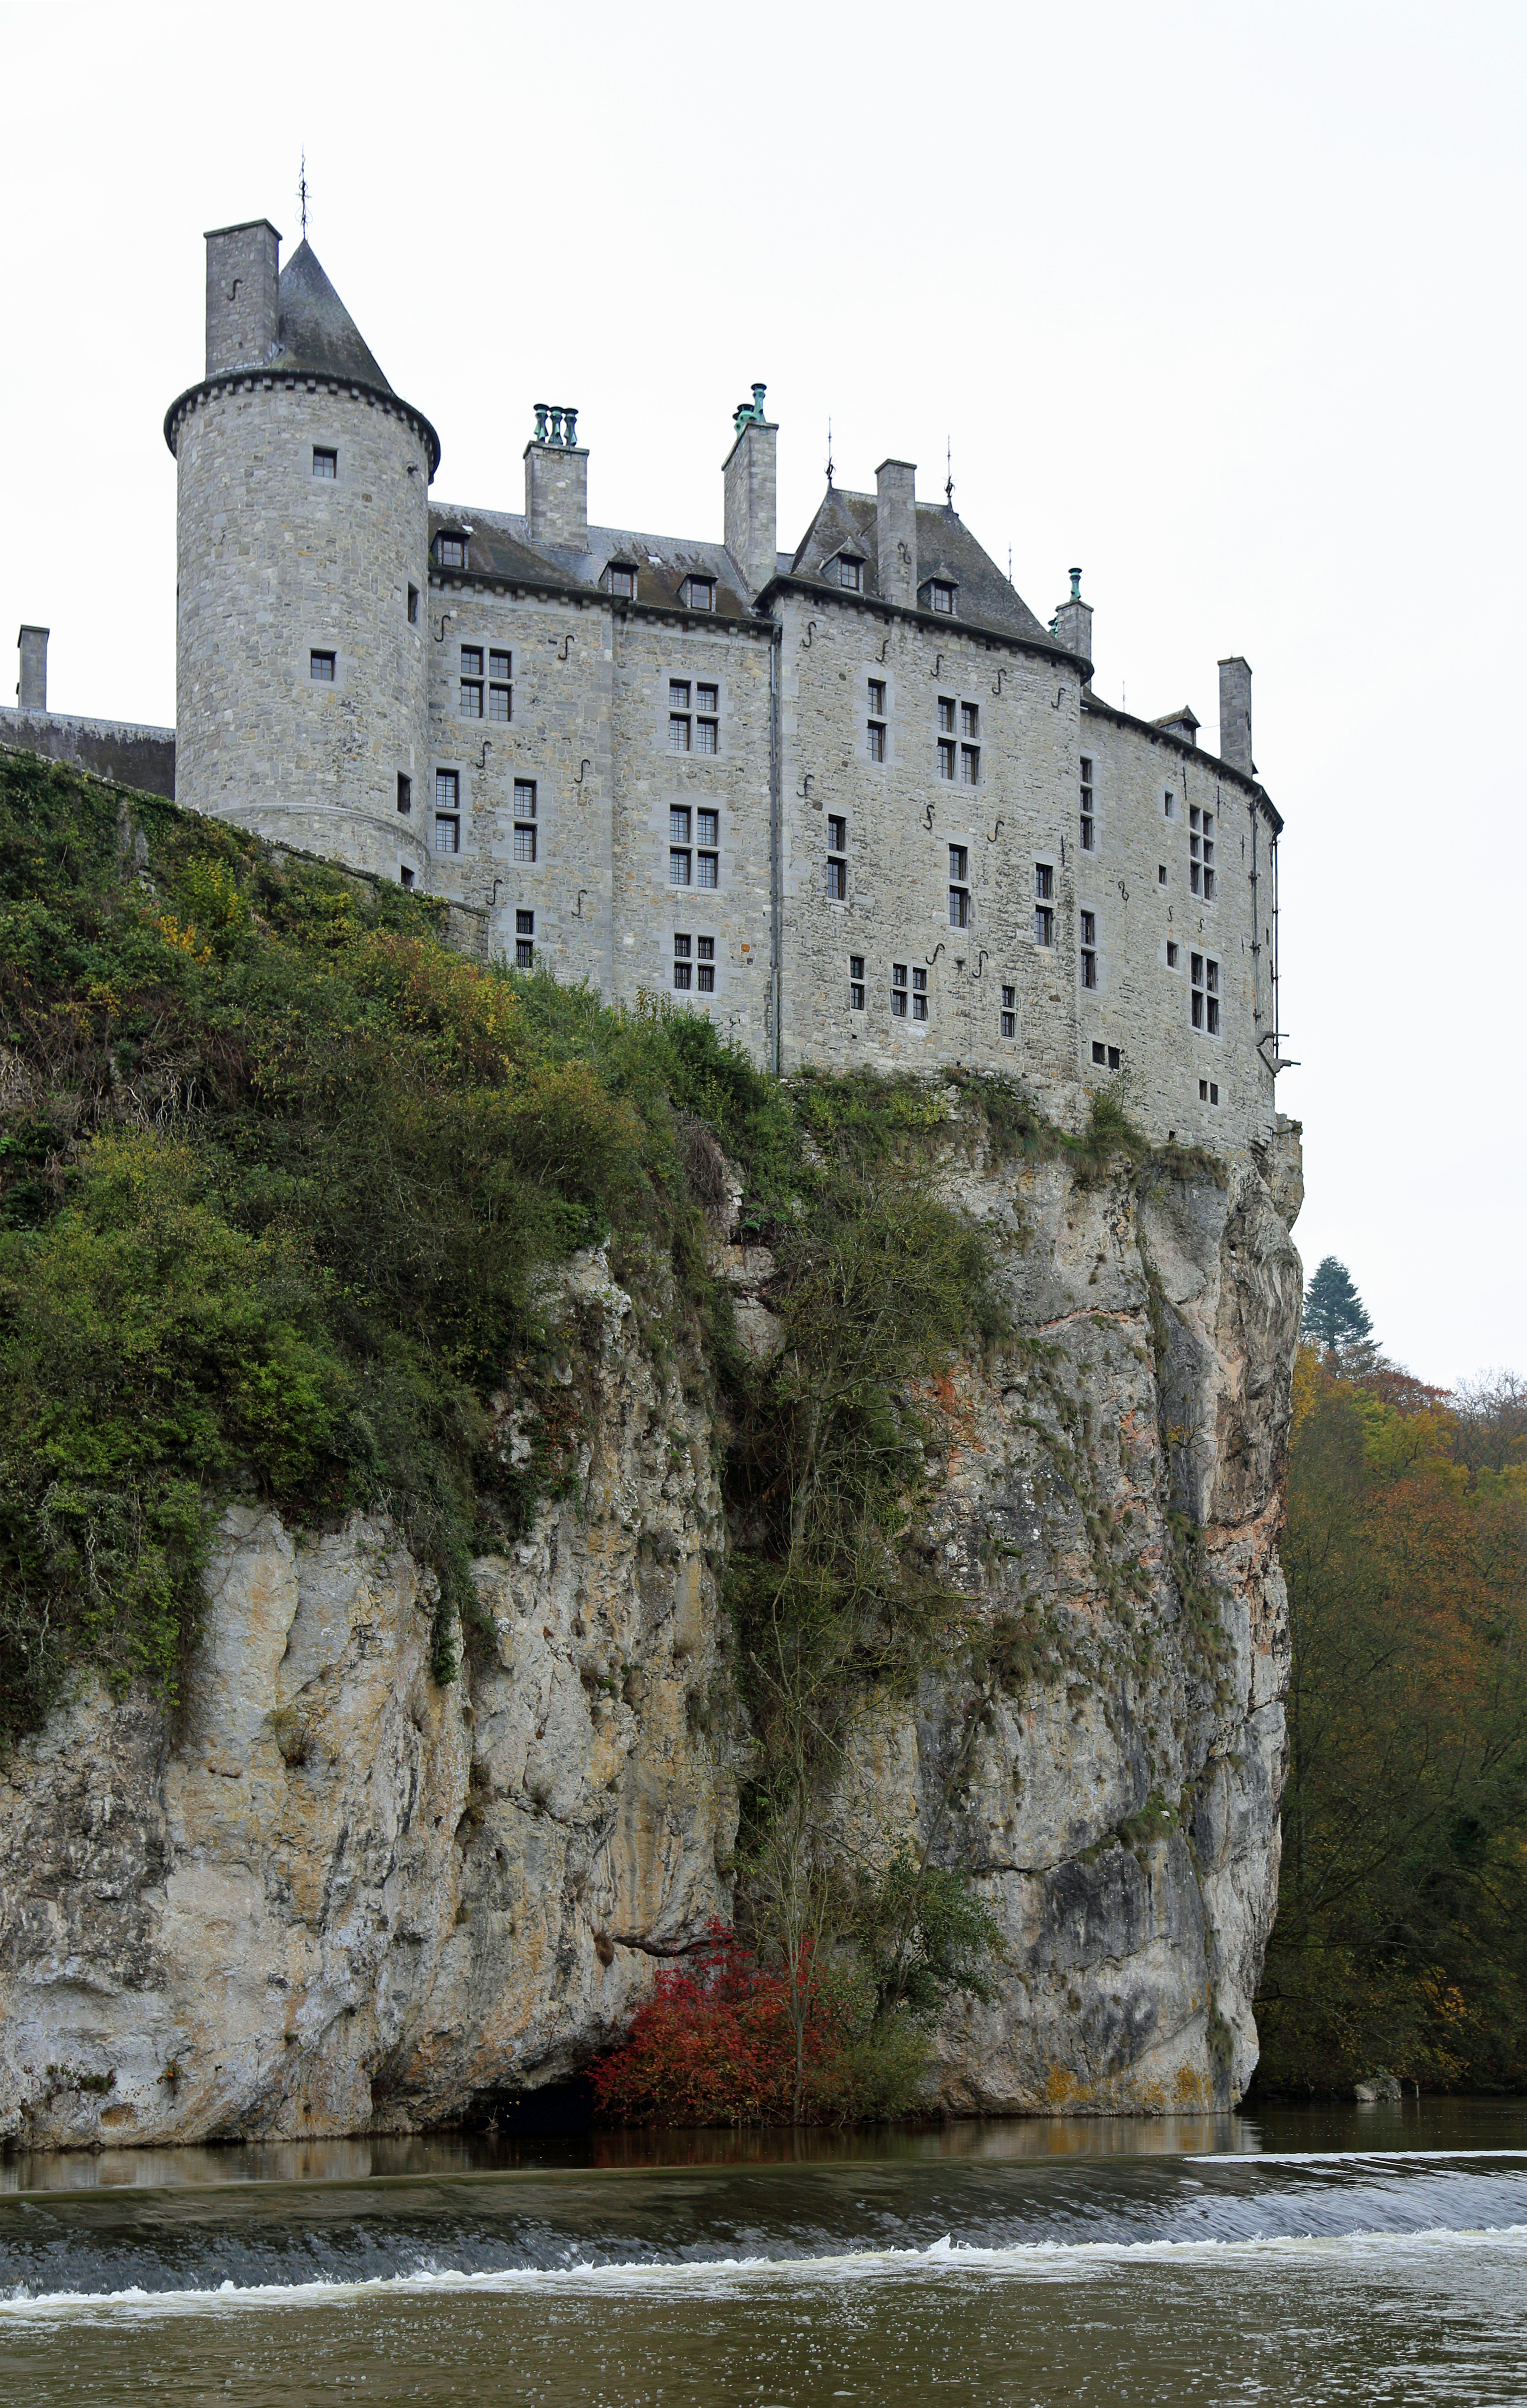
<point x="1401" y="1940"/>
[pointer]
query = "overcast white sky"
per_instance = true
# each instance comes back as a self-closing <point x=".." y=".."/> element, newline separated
<point x="1222" y="302"/>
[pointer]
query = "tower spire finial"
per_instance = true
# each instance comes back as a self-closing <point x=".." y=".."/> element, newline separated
<point x="302" y="192"/>
<point x="829" y="455"/>
<point x="949" y="469"/>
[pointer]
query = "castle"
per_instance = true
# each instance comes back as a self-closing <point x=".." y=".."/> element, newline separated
<point x="855" y="801"/>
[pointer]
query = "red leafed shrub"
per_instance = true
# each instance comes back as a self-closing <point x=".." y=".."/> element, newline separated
<point x="717" y="2045"/>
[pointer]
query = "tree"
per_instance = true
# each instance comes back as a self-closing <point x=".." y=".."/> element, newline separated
<point x="1333" y="1310"/>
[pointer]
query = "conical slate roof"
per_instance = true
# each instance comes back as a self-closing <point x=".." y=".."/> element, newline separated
<point x="317" y="334"/>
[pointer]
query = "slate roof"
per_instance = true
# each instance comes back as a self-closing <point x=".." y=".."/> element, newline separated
<point x="499" y="547"/>
<point x="315" y="332"/>
<point x="947" y="550"/>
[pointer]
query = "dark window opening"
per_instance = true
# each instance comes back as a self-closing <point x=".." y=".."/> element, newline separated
<point x="850" y="574"/>
<point x="325" y="464"/>
<point x="622" y="585"/>
<point x="413" y="606"/>
<point x="856" y="981"/>
<point x="524" y="941"/>
<point x="321" y="667"/>
<point x="405" y="792"/>
<point x="1201" y="852"/>
<point x="919" y="995"/>
<point x="450" y="551"/>
<point x="898" y="990"/>
<point x="943" y="596"/>
<point x="1007" y="1021"/>
<point x="1089" y="954"/>
<point x="406" y="876"/>
<point x="959" y="886"/>
<point x="1088" y="824"/>
<point x="524" y="816"/>
<point x="448" y="833"/>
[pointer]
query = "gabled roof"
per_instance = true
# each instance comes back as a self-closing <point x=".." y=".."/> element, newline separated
<point x="499" y="548"/>
<point x="315" y="334"/>
<point x="947" y="550"/>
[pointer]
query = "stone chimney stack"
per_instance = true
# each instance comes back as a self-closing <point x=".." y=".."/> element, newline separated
<point x="897" y="530"/>
<point x="1235" y="714"/>
<point x="32" y="685"/>
<point x="1074" y="621"/>
<point x="243" y="313"/>
<point x="557" y="479"/>
<point x="749" y="474"/>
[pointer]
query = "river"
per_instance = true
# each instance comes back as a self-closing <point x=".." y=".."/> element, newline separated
<point x="1308" y="2255"/>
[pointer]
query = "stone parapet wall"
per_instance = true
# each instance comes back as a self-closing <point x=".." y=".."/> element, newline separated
<point x="126" y="754"/>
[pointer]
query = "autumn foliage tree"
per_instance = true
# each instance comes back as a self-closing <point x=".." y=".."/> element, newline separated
<point x="1401" y="1939"/>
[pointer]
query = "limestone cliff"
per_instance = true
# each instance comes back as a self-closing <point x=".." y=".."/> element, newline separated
<point x="326" y="1896"/>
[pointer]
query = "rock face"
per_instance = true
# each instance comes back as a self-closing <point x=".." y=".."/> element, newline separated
<point x="329" y="1896"/>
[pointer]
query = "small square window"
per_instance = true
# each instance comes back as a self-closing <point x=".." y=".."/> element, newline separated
<point x="524" y="798"/>
<point x="325" y="464"/>
<point x="708" y="868"/>
<point x="705" y="736"/>
<point x="524" y="843"/>
<point x="406" y="876"/>
<point x="707" y="827"/>
<point x="501" y="703"/>
<point x="877" y="740"/>
<point x="1099" y="1055"/>
<point x="448" y="787"/>
<point x="856" y="981"/>
<point x="706" y="697"/>
<point x="450" y="551"/>
<point x="501" y="665"/>
<point x="447" y="834"/>
<point x="679" y="827"/>
<point x="679" y="870"/>
<point x="405" y="792"/>
<point x="321" y="667"/>
<point x="943" y="596"/>
<point x="413" y="606"/>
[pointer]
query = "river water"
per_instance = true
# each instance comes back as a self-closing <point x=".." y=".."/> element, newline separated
<point x="1296" y="2255"/>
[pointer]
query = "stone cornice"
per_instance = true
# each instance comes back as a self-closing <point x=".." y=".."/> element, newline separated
<point x="1189" y="751"/>
<point x="933" y="621"/>
<point x="266" y="379"/>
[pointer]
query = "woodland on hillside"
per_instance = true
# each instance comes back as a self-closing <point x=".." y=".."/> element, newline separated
<point x="1401" y="1940"/>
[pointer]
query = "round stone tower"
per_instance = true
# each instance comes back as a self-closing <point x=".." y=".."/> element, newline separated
<point x="302" y="601"/>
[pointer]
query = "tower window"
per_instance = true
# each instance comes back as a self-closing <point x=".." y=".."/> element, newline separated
<point x="856" y="981"/>
<point x="321" y="667"/>
<point x="877" y="719"/>
<point x="837" y="865"/>
<point x="470" y="703"/>
<point x="1204" y="990"/>
<point x="946" y="759"/>
<point x="970" y="719"/>
<point x="946" y="713"/>
<point x="413" y="606"/>
<point x="919" y="995"/>
<point x="877" y="739"/>
<point x="1208" y="1091"/>
<point x="448" y="832"/>
<point x="1007" y="1019"/>
<point x="1088" y="823"/>
<point x="959" y="886"/>
<point x="707" y="860"/>
<point x="943" y="596"/>
<point x="850" y="573"/>
<point x="1106" y="1058"/>
<point x="898" y="990"/>
<point x="447" y="788"/>
<point x="406" y="876"/>
<point x="679" y="715"/>
<point x="1169" y="804"/>
<point x="1043" y="914"/>
<point x="1089" y="954"/>
<point x="681" y="862"/>
<point x="525" y="819"/>
<point x="1201" y="852"/>
<point x="325" y="464"/>
<point x="695" y="963"/>
<point x="500" y="691"/>
<point x="1161" y="873"/>
<point x="970" y="765"/>
<point x="405" y="792"/>
<point x="524" y="941"/>
<point x="1171" y="954"/>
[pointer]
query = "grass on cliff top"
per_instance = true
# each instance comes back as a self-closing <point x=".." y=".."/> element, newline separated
<point x="279" y="1178"/>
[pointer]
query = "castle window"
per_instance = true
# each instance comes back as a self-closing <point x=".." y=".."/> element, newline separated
<point x="837" y="866"/>
<point x="942" y="597"/>
<point x="448" y="832"/>
<point x="1201" y="852"/>
<point x="524" y="941"/>
<point x="1169" y="804"/>
<point x="470" y="703"/>
<point x="946" y="713"/>
<point x="406" y="876"/>
<point x="1171" y="955"/>
<point x="876" y="719"/>
<point x="704" y="965"/>
<point x="698" y="592"/>
<point x="1044" y="891"/>
<point x="525" y="819"/>
<point x="448" y="787"/>
<point x="898" y="990"/>
<point x="1088" y="955"/>
<point x="622" y="584"/>
<point x="1007" y="1020"/>
<point x="919" y="995"/>
<point x="1208" y="1091"/>
<point x="1089" y="823"/>
<point x="1161" y="873"/>
<point x="707" y="862"/>
<point x="413" y="606"/>
<point x="959" y="886"/>
<point x="1107" y="1057"/>
<point x="681" y="863"/>
<point x="405" y="792"/>
<point x="450" y="551"/>
<point x="683" y="952"/>
<point x="856" y="981"/>
<point x="970" y="719"/>
<point x="850" y="573"/>
<point x="970" y="765"/>
<point x="321" y="667"/>
<point x="877" y="696"/>
<point x="877" y="739"/>
<point x="1204" y="990"/>
<point x="678" y="715"/>
<point x="325" y="464"/>
<point x="946" y="759"/>
<point x="1098" y="1056"/>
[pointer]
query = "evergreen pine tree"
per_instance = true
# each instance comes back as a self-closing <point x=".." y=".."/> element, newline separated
<point x="1333" y="1310"/>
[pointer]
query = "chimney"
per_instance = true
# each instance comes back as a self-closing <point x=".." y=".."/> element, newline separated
<point x="243" y="313"/>
<point x="896" y="531"/>
<point x="557" y="479"/>
<point x="749" y="471"/>
<point x="32" y="685"/>
<point x="1072" y="624"/>
<point x="1235" y="714"/>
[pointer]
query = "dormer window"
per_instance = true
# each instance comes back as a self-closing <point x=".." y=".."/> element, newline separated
<point x="698" y="594"/>
<point x="941" y="597"/>
<point x="450" y="551"/>
<point x="850" y="573"/>
<point x="621" y="579"/>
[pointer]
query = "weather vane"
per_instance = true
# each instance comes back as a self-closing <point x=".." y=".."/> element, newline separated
<point x="302" y="193"/>
<point x="948" y="480"/>
<point x="829" y="454"/>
